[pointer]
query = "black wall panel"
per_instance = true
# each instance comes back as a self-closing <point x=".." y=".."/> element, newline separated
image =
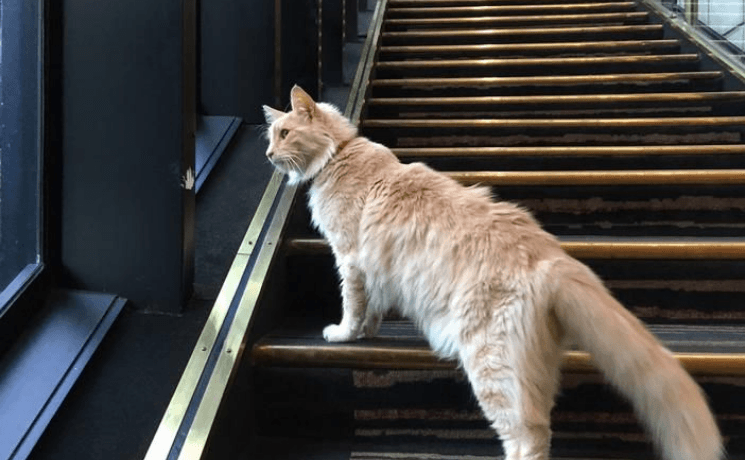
<point x="128" y="118"/>
<point x="237" y="57"/>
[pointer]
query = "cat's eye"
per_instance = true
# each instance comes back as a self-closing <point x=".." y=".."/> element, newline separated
<point x="283" y="133"/>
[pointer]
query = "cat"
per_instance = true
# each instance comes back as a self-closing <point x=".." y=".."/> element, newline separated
<point x="484" y="282"/>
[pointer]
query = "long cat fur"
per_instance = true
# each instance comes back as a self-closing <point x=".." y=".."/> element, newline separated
<point x="484" y="282"/>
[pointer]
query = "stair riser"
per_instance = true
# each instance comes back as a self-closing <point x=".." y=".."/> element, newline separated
<point x="404" y="409"/>
<point x="660" y="292"/>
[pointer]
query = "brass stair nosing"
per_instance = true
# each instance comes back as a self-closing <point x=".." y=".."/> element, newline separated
<point x="519" y="62"/>
<point x="607" y="46"/>
<point x="456" y="82"/>
<point x="550" y="18"/>
<point x="603" y="178"/>
<point x="483" y="33"/>
<point x="620" y="150"/>
<point x="560" y="99"/>
<point x="501" y="123"/>
<point x="393" y="3"/>
<point x="508" y="8"/>
<point x="421" y="358"/>
<point x="606" y="250"/>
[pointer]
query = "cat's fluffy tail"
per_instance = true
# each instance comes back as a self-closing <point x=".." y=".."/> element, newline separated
<point x="667" y="400"/>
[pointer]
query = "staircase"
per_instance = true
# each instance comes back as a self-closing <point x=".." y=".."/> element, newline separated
<point x="622" y="135"/>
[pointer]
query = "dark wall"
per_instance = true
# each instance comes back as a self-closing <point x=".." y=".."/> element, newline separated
<point x="237" y="57"/>
<point x="128" y="119"/>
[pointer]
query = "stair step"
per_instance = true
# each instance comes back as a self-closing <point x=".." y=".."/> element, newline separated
<point x="703" y="350"/>
<point x="690" y="97"/>
<point x="614" y="150"/>
<point x="542" y="80"/>
<point x="561" y="48"/>
<point x="538" y="62"/>
<point x="593" y="18"/>
<point x="690" y="249"/>
<point x="508" y="9"/>
<point x="425" y="3"/>
<point x="610" y="178"/>
<point x="511" y="33"/>
<point x="502" y="123"/>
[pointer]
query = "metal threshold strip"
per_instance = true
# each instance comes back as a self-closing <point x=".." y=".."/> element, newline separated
<point x="641" y="250"/>
<point x="185" y="427"/>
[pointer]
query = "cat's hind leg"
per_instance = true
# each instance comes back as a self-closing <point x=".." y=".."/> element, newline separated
<point x="517" y="401"/>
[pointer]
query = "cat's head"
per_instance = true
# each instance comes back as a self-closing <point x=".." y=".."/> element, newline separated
<point x="303" y="140"/>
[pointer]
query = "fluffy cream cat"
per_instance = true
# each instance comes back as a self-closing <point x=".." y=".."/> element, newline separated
<point x="484" y="282"/>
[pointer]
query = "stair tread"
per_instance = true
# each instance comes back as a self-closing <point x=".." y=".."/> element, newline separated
<point x="552" y="122"/>
<point x="455" y="82"/>
<point x="490" y="32"/>
<point x="561" y="47"/>
<point x="485" y="9"/>
<point x="552" y="18"/>
<point x="563" y="98"/>
<point x="595" y="247"/>
<point x="509" y="62"/>
<point x="572" y="150"/>
<point x="702" y="349"/>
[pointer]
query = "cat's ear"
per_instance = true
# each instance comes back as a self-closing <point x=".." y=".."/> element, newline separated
<point x="271" y="114"/>
<point x="302" y="102"/>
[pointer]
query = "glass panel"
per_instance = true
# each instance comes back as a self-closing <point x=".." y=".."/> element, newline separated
<point x="20" y="139"/>
<point x="722" y="20"/>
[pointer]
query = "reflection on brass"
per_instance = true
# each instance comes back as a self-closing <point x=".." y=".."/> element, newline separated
<point x="562" y="47"/>
<point x="562" y="99"/>
<point x="231" y="350"/>
<point x="182" y="396"/>
<point x="583" y="178"/>
<point x="359" y="89"/>
<point x="418" y="3"/>
<point x="549" y="18"/>
<point x="613" y="150"/>
<point x="480" y="10"/>
<point x="462" y="33"/>
<point x="519" y="62"/>
<point x="418" y="357"/>
<point x="369" y="357"/>
<point x="652" y="250"/>
<point x="555" y="123"/>
<point x="545" y="80"/>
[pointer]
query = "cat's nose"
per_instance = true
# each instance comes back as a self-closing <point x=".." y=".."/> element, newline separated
<point x="270" y="154"/>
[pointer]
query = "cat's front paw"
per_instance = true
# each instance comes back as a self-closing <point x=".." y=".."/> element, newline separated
<point x="336" y="333"/>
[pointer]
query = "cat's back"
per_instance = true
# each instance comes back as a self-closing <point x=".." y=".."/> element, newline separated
<point x="417" y="208"/>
